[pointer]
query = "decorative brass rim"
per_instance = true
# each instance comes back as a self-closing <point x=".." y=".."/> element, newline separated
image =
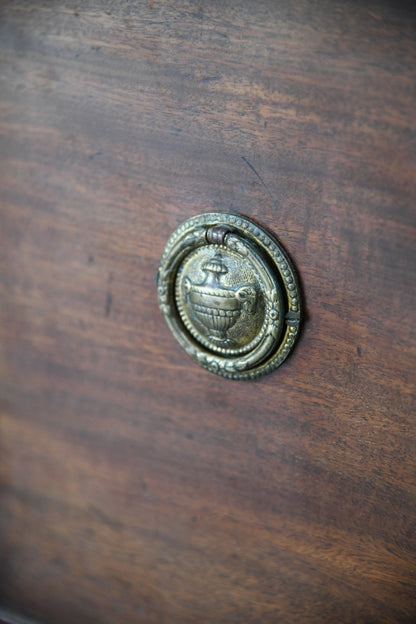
<point x="230" y="295"/>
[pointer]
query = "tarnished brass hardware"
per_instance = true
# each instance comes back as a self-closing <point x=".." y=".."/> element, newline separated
<point x="230" y="295"/>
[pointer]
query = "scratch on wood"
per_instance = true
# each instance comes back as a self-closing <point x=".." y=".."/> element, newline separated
<point x="211" y="78"/>
<point x="258" y="176"/>
<point x="108" y="303"/>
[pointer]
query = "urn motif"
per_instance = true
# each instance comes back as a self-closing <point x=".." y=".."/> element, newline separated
<point x="216" y="306"/>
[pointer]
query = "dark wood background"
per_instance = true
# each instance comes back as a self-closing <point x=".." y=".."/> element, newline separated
<point x="135" y="486"/>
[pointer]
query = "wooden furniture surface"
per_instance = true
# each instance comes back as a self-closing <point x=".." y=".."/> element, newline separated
<point x="134" y="485"/>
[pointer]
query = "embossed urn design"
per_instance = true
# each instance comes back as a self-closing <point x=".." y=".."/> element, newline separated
<point x="216" y="306"/>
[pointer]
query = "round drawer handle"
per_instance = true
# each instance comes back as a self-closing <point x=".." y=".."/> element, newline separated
<point x="230" y="295"/>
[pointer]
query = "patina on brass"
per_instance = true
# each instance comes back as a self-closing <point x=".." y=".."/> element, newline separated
<point x="230" y="295"/>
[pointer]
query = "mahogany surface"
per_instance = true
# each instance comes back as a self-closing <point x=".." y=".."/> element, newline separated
<point x="134" y="485"/>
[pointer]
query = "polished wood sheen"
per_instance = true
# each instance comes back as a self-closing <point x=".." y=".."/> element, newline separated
<point x="134" y="485"/>
<point x="11" y="617"/>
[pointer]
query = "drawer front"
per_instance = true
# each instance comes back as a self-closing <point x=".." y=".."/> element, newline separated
<point x="135" y="485"/>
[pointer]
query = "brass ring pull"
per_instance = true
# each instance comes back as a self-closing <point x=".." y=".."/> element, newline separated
<point x="230" y="295"/>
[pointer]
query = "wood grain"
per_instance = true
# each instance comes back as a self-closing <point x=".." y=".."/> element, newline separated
<point x="134" y="486"/>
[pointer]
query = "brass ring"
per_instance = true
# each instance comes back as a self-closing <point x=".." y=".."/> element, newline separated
<point x="230" y="295"/>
